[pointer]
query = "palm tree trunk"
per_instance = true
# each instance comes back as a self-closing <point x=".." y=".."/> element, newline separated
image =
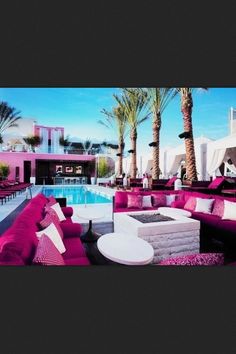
<point x="156" y="126"/>
<point x="121" y="149"/>
<point x="186" y="109"/>
<point x="133" y="138"/>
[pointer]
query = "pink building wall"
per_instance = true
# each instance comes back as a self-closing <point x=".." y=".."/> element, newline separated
<point x="14" y="159"/>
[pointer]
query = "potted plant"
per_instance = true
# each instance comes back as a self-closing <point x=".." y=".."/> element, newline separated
<point x="4" y="170"/>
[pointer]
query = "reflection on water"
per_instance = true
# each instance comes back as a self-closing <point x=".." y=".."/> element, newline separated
<point x="77" y="195"/>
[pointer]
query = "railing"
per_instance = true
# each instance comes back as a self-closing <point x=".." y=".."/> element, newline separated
<point x="70" y="180"/>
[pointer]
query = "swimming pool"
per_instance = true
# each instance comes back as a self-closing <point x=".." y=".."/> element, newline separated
<point x="76" y="195"/>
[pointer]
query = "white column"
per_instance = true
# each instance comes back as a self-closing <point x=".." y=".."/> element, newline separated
<point x="43" y="133"/>
<point x="55" y="135"/>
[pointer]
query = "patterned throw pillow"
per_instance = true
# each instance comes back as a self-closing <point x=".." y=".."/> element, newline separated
<point x="158" y="200"/>
<point x="218" y="208"/>
<point x="200" y="259"/>
<point x="135" y="201"/>
<point x="57" y="208"/>
<point x="47" y="253"/>
<point x="51" y="200"/>
<point x="190" y="204"/>
<point x="52" y="232"/>
<point x="51" y="217"/>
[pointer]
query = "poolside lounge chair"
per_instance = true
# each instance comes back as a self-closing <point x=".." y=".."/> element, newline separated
<point x="214" y="187"/>
<point x="164" y="184"/>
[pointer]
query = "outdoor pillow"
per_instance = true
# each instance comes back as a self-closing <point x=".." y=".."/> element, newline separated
<point x="200" y="259"/>
<point x="171" y="181"/>
<point x="204" y="205"/>
<point x="51" y="217"/>
<point x="147" y="201"/>
<point x="59" y="211"/>
<point x="135" y="201"/>
<point x="216" y="183"/>
<point x="170" y="198"/>
<point x="47" y="253"/>
<point x="190" y="204"/>
<point x="51" y="200"/>
<point x="229" y="211"/>
<point x="158" y="200"/>
<point x="52" y="232"/>
<point x="218" y="209"/>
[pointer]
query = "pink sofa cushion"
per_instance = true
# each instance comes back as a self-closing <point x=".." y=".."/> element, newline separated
<point x="135" y="201"/>
<point x="216" y="183"/>
<point x="190" y="204"/>
<point x="171" y="182"/>
<point x="218" y="208"/>
<point x="121" y="199"/>
<point x="158" y="200"/>
<point x="200" y="259"/>
<point x="47" y="253"/>
<point x="74" y="248"/>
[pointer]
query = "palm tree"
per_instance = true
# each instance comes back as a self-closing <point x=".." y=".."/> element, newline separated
<point x="158" y="99"/>
<point x="87" y="145"/>
<point x="65" y="142"/>
<point x="117" y="119"/>
<point x="33" y="141"/>
<point x="186" y="109"/>
<point x="133" y="104"/>
<point x="8" y="117"/>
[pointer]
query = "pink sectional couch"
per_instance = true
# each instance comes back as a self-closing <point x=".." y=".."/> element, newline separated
<point x="213" y="228"/>
<point x="215" y="234"/>
<point x="18" y="244"/>
<point x="121" y="199"/>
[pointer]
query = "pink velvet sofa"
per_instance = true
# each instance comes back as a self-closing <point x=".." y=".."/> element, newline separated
<point x="121" y="199"/>
<point x="213" y="228"/>
<point x="215" y="234"/>
<point x="18" y="244"/>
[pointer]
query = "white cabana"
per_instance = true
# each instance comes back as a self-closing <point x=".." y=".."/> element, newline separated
<point x="176" y="155"/>
<point x="221" y="151"/>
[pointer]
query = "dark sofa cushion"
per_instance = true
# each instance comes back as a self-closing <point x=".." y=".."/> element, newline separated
<point x="74" y="248"/>
<point x="79" y="261"/>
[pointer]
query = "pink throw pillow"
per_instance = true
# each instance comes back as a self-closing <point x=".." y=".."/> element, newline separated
<point x="218" y="209"/>
<point x="47" y="253"/>
<point x="51" y="200"/>
<point x="158" y="200"/>
<point x="190" y="204"/>
<point x="135" y="201"/>
<point x="51" y="217"/>
<point x="216" y="183"/>
<point x="200" y="259"/>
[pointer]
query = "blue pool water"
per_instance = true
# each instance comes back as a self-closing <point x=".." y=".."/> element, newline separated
<point x="76" y="195"/>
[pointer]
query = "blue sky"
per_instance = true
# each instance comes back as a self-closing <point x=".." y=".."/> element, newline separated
<point x="78" y="110"/>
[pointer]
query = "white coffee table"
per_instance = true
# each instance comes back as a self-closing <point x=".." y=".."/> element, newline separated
<point x="168" y="238"/>
<point x="121" y="248"/>
<point x="90" y="215"/>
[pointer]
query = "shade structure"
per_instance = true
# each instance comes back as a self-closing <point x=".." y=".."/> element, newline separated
<point x="220" y="151"/>
<point x="175" y="156"/>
